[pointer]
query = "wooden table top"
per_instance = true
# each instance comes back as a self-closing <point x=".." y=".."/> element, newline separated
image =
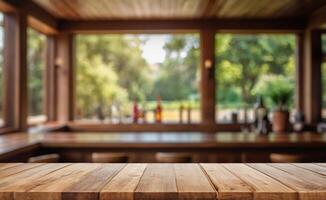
<point x="21" y="141"/>
<point x="65" y="181"/>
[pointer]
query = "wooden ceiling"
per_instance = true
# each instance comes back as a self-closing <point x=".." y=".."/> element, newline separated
<point x="178" y="9"/>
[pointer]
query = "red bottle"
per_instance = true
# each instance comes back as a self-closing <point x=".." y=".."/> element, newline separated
<point x="135" y="113"/>
<point x="158" y="111"/>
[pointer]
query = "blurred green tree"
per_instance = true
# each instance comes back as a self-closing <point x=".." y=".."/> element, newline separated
<point x="110" y="70"/>
<point x="36" y="65"/>
<point x="179" y="73"/>
<point x="243" y="59"/>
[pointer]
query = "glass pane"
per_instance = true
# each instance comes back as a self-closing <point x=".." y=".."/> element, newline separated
<point x="36" y="65"/>
<point x="246" y="65"/>
<point x="121" y="75"/>
<point x="1" y="69"/>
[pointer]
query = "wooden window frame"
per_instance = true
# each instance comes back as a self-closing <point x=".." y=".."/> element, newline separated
<point x="15" y="72"/>
<point x="59" y="98"/>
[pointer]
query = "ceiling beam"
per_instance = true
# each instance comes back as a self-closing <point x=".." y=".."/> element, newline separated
<point x="251" y="25"/>
<point x="35" y="11"/>
<point x="6" y="7"/>
<point x="318" y="18"/>
<point x="42" y="15"/>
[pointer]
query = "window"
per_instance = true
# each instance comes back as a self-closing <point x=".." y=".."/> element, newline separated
<point x="36" y="66"/>
<point x="1" y="69"/>
<point x="115" y="72"/>
<point x="245" y="64"/>
<point x="324" y="77"/>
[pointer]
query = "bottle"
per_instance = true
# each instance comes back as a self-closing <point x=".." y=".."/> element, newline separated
<point x="158" y="110"/>
<point x="261" y="122"/>
<point x="189" y="114"/>
<point x="135" y="114"/>
<point x="181" y="108"/>
<point x="144" y="113"/>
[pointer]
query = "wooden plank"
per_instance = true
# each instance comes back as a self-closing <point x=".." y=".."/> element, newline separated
<point x="34" y="10"/>
<point x="89" y="186"/>
<point x="158" y="182"/>
<point x="6" y="7"/>
<point x="8" y="165"/>
<point x="42" y="15"/>
<point x="40" y="26"/>
<point x="123" y="185"/>
<point x="312" y="167"/>
<point x="318" y="18"/>
<point x="15" y="186"/>
<point x="254" y="25"/>
<point x="54" y="184"/>
<point x="264" y="186"/>
<point x="192" y="183"/>
<point x="321" y="164"/>
<point x="306" y="188"/>
<point x="166" y="127"/>
<point x="317" y="187"/>
<point x="227" y="184"/>
<point x="16" y="169"/>
<point x="178" y="9"/>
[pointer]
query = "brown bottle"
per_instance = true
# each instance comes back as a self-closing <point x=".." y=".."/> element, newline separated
<point x="135" y="113"/>
<point x="158" y="110"/>
<point x="181" y="108"/>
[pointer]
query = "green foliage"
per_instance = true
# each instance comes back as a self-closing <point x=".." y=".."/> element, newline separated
<point x="278" y="89"/>
<point x="243" y="59"/>
<point x="178" y="79"/>
<point x="36" y="65"/>
<point x="111" y="70"/>
<point x="324" y="42"/>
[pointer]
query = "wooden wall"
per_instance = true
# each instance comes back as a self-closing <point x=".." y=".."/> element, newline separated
<point x="60" y="84"/>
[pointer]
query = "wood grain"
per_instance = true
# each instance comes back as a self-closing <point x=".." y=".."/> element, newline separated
<point x="315" y="187"/>
<point x="53" y="185"/>
<point x="123" y="185"/>
<point x="306" y="188"/>
<point x="179" y="9"/>
<point x="158" y="182"/>
<point x="227" y="184"/>
<point x="8" y="165"/>
<point x="15" y="186"/>
<point x="163" y="181"/>
<point x="92" y="183"/>
<point x="192" y="183"/>
<point x="16" y="169"/>
<point x="312" y="167"/>
<point x="264" y="186"/>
